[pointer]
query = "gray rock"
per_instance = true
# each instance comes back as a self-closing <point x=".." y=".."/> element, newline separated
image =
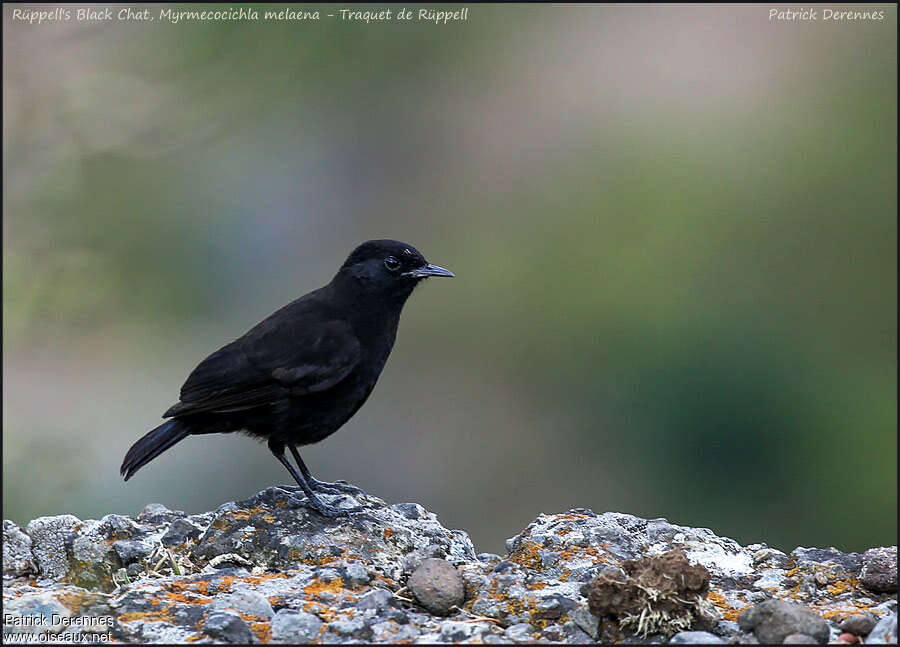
<point x="391" y="632"/>
<point x="859" y="624"/>
<point x="774" y="620"/>
<point x="455" y="632"/>
<point x="485" y="606"/>
<point x="332" y="580"/>
<point x="245" y="601"/>
<point x="879" y="571"/>
<point x="520" y="632"/>
<point x="291" y="626"/>
<point x="438" y="586"/>
<point x="48" y="537"/>
<point x="354" y="628"/>
<point x="356" y="575"/>
<point x="18" y="559"/>
<point x="885" y="631"/>
<point x="396" y="615"/>
<point x="37" y="612"/>
<point x="588" y="622"/>
<point x="800" y="639"/>
<point x="553" y="633"/>
<point x="695" y="638"/>
<point x="407" y="633"/>
<point x="157" y="513"/>
<point x="411" y="511"/>
<point x="179" y="532"/>
<point x="376" y="600"/>
<point x="228" y="628"/>
<point x="412" y="561"/>
<point x="130" y="551"/>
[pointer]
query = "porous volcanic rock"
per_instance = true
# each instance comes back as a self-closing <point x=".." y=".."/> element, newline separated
<point x="268" y="569"/>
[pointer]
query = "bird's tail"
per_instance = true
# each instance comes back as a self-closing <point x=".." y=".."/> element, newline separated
<point x="153" y="444"/>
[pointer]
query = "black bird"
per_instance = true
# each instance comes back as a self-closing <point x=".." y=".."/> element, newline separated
<point x="297" y="376"/>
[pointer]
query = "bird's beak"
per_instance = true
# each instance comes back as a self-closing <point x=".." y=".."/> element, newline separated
<point x="428" y="270"/>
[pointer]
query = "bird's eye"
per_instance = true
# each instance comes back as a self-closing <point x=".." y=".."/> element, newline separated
<point x="392" y="263"/>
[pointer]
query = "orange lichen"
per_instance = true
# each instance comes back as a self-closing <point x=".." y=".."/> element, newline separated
<point x="243" y="515"/>
<point x="321" y="560"/>
<point x="262" y="630"/>
<point x="562" y="532"/>
<point x="75" y="602"/>
<point x="388" y="533"/>
<point x="256" y="580"/>
<point x="575" y="551"/>
<point x="200" y="587"/>
<point x="226" y="582"/>
<point x="320" y="610"/>
<point x="318" y="587"/>
<point x="526" y="554"/>
<point x="842" y="586"/>
<point x="728" y="612"/>
<point x="537" y="586"/>
<point x="183" y="599"/>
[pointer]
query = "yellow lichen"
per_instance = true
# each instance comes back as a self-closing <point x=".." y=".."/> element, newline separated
<point x="262" y="630"/>
<point x="728" y="612"/>
<point x="842" y="586"/>
<point x="526" y="554"/>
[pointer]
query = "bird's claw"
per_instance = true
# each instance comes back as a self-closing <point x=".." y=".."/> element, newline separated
<point x="338" y="487"/>
<point x="313" y="503"/>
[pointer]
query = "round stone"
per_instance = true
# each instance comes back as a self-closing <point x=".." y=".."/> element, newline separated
<point x="437" y="585"/>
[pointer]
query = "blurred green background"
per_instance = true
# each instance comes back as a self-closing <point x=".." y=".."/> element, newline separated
<point x="674" y="231"/>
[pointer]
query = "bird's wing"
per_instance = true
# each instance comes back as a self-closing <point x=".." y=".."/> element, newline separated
<point x="272" y="361"/>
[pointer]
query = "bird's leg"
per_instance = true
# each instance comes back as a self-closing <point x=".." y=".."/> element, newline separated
<point x="323" y="486"/>
<point x="312" y="501"/>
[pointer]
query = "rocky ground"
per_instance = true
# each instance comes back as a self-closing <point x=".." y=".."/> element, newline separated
<point x="269" y="570"/>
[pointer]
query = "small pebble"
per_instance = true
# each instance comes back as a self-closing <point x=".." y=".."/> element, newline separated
<point x="438" y="586"/>
<point x="848" y="638"/>
<point x="859" y="624"/>
<point x="228" y="627"/>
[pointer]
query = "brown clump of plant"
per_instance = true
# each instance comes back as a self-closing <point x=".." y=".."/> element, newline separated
<point x="660" y="594"/>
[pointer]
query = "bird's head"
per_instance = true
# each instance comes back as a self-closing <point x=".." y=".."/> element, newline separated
<point x="387" y="269"/>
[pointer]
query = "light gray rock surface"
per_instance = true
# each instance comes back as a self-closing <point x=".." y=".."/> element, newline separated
<point x="269" y="570"/>
<point x="879" y="571"/>
<point x="773" y="621"/>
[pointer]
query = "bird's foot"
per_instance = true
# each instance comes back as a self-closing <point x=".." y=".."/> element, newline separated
<point x="338" y="487"/>
<point x="314" y="503"/>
